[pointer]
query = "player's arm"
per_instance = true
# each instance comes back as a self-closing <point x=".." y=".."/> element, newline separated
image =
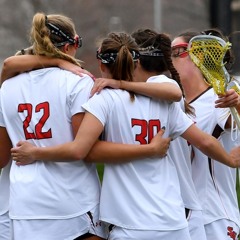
<point x="164" y="90"/>
<point x="87" y="136"/>
<point x="108" y="152"/>
<point x="5" y="147"/>
<point x="211" y="146"/>
<point x="24" y="63"/>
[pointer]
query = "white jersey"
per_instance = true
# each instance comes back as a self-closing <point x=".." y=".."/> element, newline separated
<point x="179" y="151"/>
<point x="38" y="107"/>
<point x="215" y="182"/>
<point x="142" y="194"/>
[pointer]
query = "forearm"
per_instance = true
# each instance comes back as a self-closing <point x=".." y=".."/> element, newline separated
<point x="213" y="149"/>
<point x="107" y="152"/>
<point x="27" y="153"/>
<point x="207" y="144"/>
<point x="164" y="91"/>
<point x="17" y="64"/>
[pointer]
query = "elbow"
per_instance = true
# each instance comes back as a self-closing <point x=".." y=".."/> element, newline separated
<point x="95" y="154"/>
<point x="93" y="157"/>
<point x="178" y="97"/>
<point x="76" y="156"/>
<point x="206" y="144"/>
<point x="5" y="69"/>
<point x="89" y="158"/>
<point x="7" y="62"/>
<point x="75" y="153"/>
<point x="3" y="164"/>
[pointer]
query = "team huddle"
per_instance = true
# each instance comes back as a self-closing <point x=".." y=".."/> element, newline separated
<point x="168" y="140"/>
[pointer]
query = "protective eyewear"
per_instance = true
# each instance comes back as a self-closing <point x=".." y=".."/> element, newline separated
<point x="77" y="41"/>
<point x="180" y="50"/>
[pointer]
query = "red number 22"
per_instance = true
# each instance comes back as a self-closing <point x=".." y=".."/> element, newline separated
<point x="38" y="134"/>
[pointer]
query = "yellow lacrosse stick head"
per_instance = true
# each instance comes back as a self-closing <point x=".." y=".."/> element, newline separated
<point x="208" y="52"/>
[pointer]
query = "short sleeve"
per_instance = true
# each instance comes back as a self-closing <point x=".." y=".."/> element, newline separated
<point x="179" y="122"/>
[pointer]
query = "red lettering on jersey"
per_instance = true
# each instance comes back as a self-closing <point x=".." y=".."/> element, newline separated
<point x="28" y="108"/>
<point x="38" y="133"/>
<point x="146" y="129"/>
<point x="231" y="233"/>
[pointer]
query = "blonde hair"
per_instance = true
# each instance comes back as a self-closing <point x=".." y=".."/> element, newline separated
<point x="43" y="39"/>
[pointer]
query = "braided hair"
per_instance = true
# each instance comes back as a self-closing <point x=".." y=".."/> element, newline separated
<point x="43" y="39"/>
<point x="155" y="52"/>
<point x="155" y="56"/>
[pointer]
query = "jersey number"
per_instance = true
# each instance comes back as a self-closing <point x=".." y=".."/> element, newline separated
<point x="147" y="129"/>
<point x="38" y="134"/>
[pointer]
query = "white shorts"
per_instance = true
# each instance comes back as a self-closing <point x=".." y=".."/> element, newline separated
<point x="5" y="227"/>
<point x="222" y="229"/>
<point x="118" y="233"/>
<point x="59" y="229"/>
<point x="196" y="225"/>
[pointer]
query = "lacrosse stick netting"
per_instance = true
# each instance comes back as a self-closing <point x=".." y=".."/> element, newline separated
<point x="208" y="52"/>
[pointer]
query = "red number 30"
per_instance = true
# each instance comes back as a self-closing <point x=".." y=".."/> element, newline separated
<point x="147" y="129"/>
<point x="38" y="134"/>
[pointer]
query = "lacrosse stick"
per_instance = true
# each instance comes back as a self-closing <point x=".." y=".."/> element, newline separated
<point x="208" y="52"/>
